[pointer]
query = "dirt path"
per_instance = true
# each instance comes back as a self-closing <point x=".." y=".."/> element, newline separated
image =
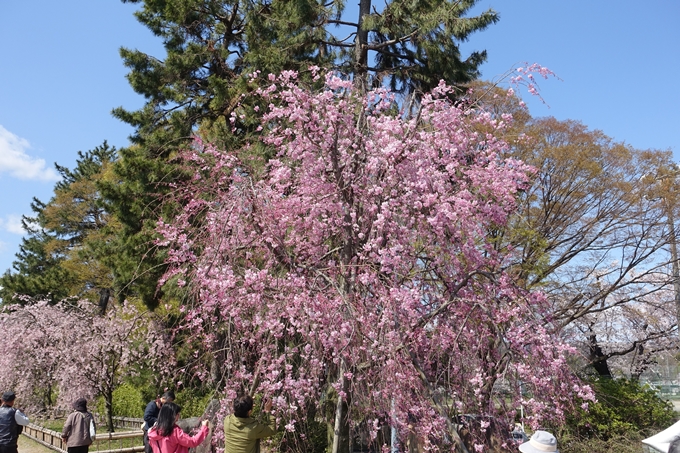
<point x="27" y="445"/>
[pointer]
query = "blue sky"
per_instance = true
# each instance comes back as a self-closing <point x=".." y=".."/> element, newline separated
<point x="60" y="76"/>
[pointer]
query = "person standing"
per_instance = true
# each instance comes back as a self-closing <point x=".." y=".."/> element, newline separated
<point x="12" y="422"/>
<point x="167" y="437"/>
<point x="76" y="432"/>
<point x="242" y="433"/>
<point x="151" y="415"/>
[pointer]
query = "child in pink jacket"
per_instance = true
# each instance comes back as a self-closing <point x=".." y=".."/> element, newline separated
<point x="166" y="437"/>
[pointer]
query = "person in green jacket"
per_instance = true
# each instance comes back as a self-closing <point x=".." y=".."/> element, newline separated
<point x="242" y="433"/>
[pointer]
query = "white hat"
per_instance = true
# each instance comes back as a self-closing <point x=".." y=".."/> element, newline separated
<point x="540" y="442"/>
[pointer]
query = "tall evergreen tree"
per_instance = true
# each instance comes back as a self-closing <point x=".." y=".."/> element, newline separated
<point x="36" y="272"/>
<point x="212" y="45"/>
<point x="69" y="238"/>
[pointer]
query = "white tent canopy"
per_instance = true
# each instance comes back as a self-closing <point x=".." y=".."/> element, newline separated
<point x="661" y="441"/>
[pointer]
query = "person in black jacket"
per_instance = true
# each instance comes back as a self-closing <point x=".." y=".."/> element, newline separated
<point x="151" y="415"/>
<point x="12" y="422"/>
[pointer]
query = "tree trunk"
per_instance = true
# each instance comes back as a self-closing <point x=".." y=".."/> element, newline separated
<point x="108" y="397"/>
<point x="597" y="358"/>
<point x="361" y="48"/>
<point x="341" y="434"/>
<point x="104" y="297"/>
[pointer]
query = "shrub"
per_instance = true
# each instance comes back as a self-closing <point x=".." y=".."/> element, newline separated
<point x="629" y="443"/>
<point x="193" y="404"/>
<point x="625" y="410"/>
<point x="127" y="402"/>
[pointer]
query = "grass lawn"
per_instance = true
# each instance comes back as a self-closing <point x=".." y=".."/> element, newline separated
<point x="27" y="445"/>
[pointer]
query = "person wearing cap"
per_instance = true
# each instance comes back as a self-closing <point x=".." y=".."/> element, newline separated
<point x="12" y="422"/>
<point x="540" y="442"/>
<point x="76" y="432"/>
<point x="151" y="415"/>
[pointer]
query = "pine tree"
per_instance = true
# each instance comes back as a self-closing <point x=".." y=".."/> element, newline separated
<point x="36" y="271"/>
<point x="416" y="43"/>
<point x="69" y="238"/>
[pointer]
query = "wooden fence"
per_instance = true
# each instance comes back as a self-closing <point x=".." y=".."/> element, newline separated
<point x="104" y="443"/>
<point x="123" y="422"/>
<point x="100" y="420"/>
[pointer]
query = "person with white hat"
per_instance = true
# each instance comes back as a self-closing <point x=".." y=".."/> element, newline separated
<point x="540" y="442"/>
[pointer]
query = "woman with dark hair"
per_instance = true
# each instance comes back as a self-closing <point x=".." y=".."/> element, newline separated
<point x="151" y="415"/>
<point x="166" y="437"/>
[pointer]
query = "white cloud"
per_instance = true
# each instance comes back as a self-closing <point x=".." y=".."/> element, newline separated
<point x="12" y="223"/>
<point x="15" y="161"/>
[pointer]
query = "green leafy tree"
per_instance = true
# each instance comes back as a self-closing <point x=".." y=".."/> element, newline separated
<point x="599" y="243"/>
<point x="593" y="234"/>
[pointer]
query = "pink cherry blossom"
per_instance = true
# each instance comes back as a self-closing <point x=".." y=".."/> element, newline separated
<point x="362" y="258"/>
<point x="70" y="350"/>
